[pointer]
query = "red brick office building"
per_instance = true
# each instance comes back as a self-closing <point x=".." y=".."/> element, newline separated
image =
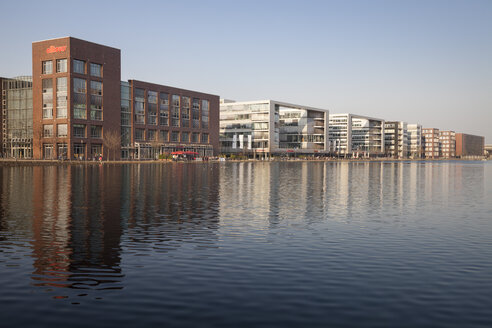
<point x="80" y="105"/>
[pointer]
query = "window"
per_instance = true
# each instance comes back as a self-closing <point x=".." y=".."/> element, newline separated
<point x="96" y="150"/>
<point x="164" y="135"/>
<point x="80" y="99"/>
<point x="152" y="107"/>
<point x="163" y="109"/>
<point x="196" y="113"/>
<point x="79" y="66"/>
<point x="96" y="70"/>
<point x="185" y="137"/>
<point x="48" y="131"/>
<point x="48" y="151"/>
<point x="175" y="136"/>
<point x="151" y="135"/>
<point x="96" y="101"/>
<point x="139" y="134"/>
<point x="61" y="97"/>
<point x="47" y="67"/>
<point x="139" y="106"/>
<point x="61" y="65"/>
<point x="195" y="137"/>
<point x="205" y="113"/>
<point x="96" y="131"/>
<point x="204" y="137"/>
<point x="175" y="111"/>
<point x="62" y="150"/>
<point x="79" y="130"/>
<point x="62" y="130"/>
<point x="47" y="85"/>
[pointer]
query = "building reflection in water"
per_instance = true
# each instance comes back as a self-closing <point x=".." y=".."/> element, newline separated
<point x="81" y="218"/>
<point x="269" y="193"/>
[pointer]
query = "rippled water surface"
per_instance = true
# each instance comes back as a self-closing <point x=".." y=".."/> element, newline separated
<point x="247" y="244"/>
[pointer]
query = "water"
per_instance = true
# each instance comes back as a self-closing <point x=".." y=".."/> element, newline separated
<point x="247" y="244"/>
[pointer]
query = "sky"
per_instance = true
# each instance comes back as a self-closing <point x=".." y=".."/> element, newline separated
<point x="427" y="62"/>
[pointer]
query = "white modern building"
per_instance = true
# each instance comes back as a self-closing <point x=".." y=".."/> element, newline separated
<point x="269" y="127"/>
<point x="356" y="135"/>
<point x="396" y="139"/>
<point x="415" y="140"/>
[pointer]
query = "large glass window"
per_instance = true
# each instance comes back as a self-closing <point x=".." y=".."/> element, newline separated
<point x="96" y="131"/>
<point x="185" y="137"/>
<point x="196" y="113"/>
<point x="96" y="101"/>
<point x="61" y="97"/>
<point x="204" y="137"/>
<point x="139" y="106"/>
<point x="195" y="137"/>
<point x="185" y="111"/>
<point x="175" y="111"/>
<point x="164" y="109"/>
<point x="47" y="67"/>
<point x="62" y="130"/>
<point x="61" y="65"/>
<point x="79" y="130"/>
<point x="80" y="98"/>
<point x="164" y="135"/>
<point x="174" y="136"/>
<point x="205" y="113"/>
<point x="79" y="66"/>
<point x="47" y="85"/>
<point x="152" y="107"/>
<point x="48" y="130"/>
<point x="48" y="151"/>
<point x="140" y="134"/>
<point x="151" y="135"/>
<point x="96" y="70"/>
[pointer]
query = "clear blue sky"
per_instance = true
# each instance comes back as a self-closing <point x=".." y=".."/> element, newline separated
<point x="420" y="61"/>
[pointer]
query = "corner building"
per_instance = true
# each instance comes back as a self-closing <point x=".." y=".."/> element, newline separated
<point x="82" y="109"/>
<point x="76" y="97"/>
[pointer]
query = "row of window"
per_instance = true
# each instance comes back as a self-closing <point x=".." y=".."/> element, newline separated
<point x="62" y="150"/>
<point x="79" y="66"/>
<point x="175" y="136"/>
<point x="80" y="101"/>
<point x="79" y="131"/>
<point x="184" y="111"/>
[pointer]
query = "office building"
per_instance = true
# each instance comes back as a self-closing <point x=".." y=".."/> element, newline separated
<point x="16" y="117"/>
<point x="396" y="139"/>
<point x="415" y="148"/>
<point x="469" y="146"/>
<point x="430" y="140"/>
<point x="268" y="127"/>
<point x="82" y="110"/>
<point x="355" y="135"/>
<point x="447" y="140"/>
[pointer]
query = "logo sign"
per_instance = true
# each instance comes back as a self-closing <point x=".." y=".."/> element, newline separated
<point x="54" y="49"/>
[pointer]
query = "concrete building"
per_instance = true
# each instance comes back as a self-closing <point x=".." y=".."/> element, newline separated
<point x="16" y="116"/>
<point x="396" y="139"/>
<point x="469" y="146"/>
<point x="352" y="134"/>
<point x="447" y="140"/>
<point x="271" y="127"/>
<point x="430" y="140"/>
<point x="415" y="140"/>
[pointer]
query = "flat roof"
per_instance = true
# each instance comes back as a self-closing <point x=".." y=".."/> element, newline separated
<point x="268" y="101"/>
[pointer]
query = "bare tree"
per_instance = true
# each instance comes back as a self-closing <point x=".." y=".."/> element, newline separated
<point x="156" y="144"/>
<point x="112" y="140"/>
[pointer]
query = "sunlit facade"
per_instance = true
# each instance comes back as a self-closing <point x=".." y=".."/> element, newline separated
<point x="272" y="128"/>
<point x="355" y="135"/>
